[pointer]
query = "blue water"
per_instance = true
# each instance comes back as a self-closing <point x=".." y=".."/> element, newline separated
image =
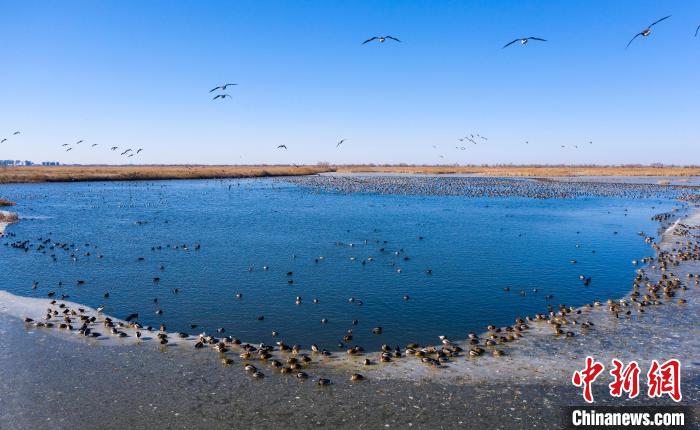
<point x="475" y="247"/>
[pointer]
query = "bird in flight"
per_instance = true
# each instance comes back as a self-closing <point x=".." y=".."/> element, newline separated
<point x="130" y="155"/>
<point x="68" y="149"/>
<point x="647" y="31"/>
<point x="65" y="144"/>
<point x="696" y="31"/>
<point x="79" y="142"/>
<point x="221" y="96"/>
<point x="3" y="141"/>
<point x="381" y="39"/>
<point x="221" y="87"/>
<point x="524" y="40"/>
<point x="282" y="146"/>
<point x="114" y="148"/>
<point x="340" y="143"/>
<point x="125" y="152"/>
<point x="139" y="150"/>
<point x="16" y="133"/>
<point x="93" y="145"/>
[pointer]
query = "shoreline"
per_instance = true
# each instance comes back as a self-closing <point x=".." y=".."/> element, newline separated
<point x="537" y="355"/>
<point x="99" y="173"/>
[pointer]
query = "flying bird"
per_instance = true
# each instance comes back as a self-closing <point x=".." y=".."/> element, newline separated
<point x="79" y="142"/>
<point x="114" y="148"/>
<point x="381" y="39"/>
<point x="65" y="144"/>
<point x="130" y="155"/>
<point x="282" y="146"/>
<point x="68" y="149"/>
<point x="16" y="133"/>
<point x="3" y="141"/>
<point x="93" y="145"/>
<point x="221" y="87"/>
<point x="139" y="150"/>
<point x="221" y="96"/>
<point x="696" y="31"/>
<point x="524" y="40"/>
<point x="647" y="31"/>
<point x="339" y="143"/>
<point x="125" y="152"/>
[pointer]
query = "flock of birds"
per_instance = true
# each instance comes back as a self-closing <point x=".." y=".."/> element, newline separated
<point x="561" y="321"/>
<point x="5" y="139"/>
<point x="128" y="153"/>
<point x="471" y="138"/>
<point x="221" y="94"/>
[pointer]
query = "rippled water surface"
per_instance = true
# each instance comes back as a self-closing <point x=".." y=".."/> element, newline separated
<point x="372" y="248"/>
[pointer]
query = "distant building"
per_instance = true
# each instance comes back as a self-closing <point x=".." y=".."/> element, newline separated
<point x="6" y="163"/>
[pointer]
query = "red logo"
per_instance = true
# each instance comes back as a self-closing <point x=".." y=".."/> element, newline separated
<point x="587" y="376"/>
<point x="665" y="379"/>
<point x="661" y="379"/>
<point x="626" y="379"/>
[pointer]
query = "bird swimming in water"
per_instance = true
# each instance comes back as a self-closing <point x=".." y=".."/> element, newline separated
<point x="380" y="39"/>
<point x="524" y="40"/>
<point x="647" y="31"/>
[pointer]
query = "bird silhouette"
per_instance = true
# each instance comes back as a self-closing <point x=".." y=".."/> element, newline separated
<point x="221" y="87"/>
<point x="340" y="143"/>
<point x="647" y="31"/>
<point x="16" y="133"/>
<point x="380" y="39"/>
<point x="114" y="148"/>
<point x="282" y="146"/>
<point x="221" y="96"/>
<point x="524" y="40"/>
<point x="139" y="150"/>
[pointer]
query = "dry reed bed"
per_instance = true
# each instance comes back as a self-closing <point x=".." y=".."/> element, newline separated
<point x="134" y="173"/>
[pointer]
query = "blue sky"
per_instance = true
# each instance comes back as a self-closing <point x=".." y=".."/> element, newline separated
<point x="137" y="74"/>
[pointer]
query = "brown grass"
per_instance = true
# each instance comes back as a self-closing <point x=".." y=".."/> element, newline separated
<point x="5" y="203"/>
<point x="131" y="173"/>
<point x="134" y="173"/>
<point x="536" y="171"/>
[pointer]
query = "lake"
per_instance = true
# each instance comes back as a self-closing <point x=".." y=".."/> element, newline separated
<point x="418" y="265"/>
